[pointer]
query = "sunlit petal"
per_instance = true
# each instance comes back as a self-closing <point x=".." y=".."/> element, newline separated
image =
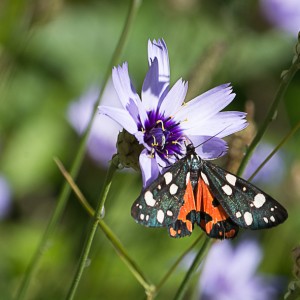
<point x="209" y="147"/>
<point x="129" y="98"/>
<point x="120" y="116"/>
<point x="149" y="168"/>
<point x="205" y="106"/>
<point x="222" y="124"/>
<point x="174" y="98"/>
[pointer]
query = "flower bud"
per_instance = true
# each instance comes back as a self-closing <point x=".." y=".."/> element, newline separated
<point x="129" y="150"/>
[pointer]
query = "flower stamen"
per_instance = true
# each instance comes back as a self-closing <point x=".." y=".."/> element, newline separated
<point x="162" y="124"/>
<point x="154" y="144"/>
<point x="151" y="155"/>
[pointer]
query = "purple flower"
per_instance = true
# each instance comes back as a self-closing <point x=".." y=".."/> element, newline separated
<point x="229" y="273"/>
<point x="284" y="14"/>
<point x="5" y="197"/>
<point x="162" y="123"/>
<point x="102" y="140"/>
<point x="272" y="172"/>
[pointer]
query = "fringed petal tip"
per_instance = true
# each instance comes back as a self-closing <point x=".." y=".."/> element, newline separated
<point x="157" y="80"/>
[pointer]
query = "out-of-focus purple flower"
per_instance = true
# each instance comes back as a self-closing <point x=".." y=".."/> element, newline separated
<point x="284" y="14"/>
<point x="102" y="140"/>
<point x="230" y="273"/>
<point x="272" y="172"/>
<point x="162" y="124"/>
<point x="5" y="197"/>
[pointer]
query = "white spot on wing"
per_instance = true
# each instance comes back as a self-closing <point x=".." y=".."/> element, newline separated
<point x="169" y="213"/>
<point x="272" y="219"/>
<point x="227" y="189"/>
<point x="168" y="177"/>
<point x="173" y="189"/>
<point x="248" y="218"/>
<point x="160" y="216"/>
<point x="150" y="201"/>
<point x="142" y="216"/>
<point x="266" y="220"/>
<point x="238" y="214"/>
<point x="187" y="178"/>
<point x="204" y="177"/>
<point x="244" y="189"/>
<point x="259" y="200"/>
<point x="147" y="218"/>
<point x="231" y="179"/>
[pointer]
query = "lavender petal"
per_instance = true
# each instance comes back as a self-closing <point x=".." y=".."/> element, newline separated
<point x="158" y="49"/>
<point x="128" y="97"/>
<point x="121" y="116"/>
<point x="205" y="106"/>
<point x="210" y="147"/>
<point x="149" y="168"/>
<point x="174" y="98"/>
<point x="222" y="124"/>
<point x="151" y="87"/>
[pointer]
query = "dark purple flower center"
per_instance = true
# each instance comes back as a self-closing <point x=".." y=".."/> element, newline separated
<point x="163" y="135"/>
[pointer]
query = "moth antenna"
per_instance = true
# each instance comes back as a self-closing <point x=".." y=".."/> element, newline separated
<point x="210" y="138"/>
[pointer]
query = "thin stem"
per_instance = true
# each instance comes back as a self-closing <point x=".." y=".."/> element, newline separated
<point x="88" y="242"/>
<point x="65" y="192"/>
<point x="180" y="292"/>
<point x="180" y="258"/>
<point x="132" y="266"/>
<point x="135" y="270"/>
<point x="75" y="188"/>
<point x="286" y="79"/>
<point x="284" y="140"/>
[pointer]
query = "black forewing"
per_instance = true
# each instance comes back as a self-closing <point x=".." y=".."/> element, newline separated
<point x="164" y="208"/>
<point x="247" y="205"/>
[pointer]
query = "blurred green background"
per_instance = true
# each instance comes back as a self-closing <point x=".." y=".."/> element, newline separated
<point x="51" y="53"/>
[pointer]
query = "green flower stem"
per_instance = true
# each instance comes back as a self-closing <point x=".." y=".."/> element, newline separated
<point x="64" y="195"/>
<point x="286" y="79"/>
<point x="75" y="188"/>
<point x="180" y="292"/>
<point x="132" y="266"/>
<point x="135" y="270"/>
<point x="180" y="258"/>
<point x="284" y="140"/>
<point x="88" y="242"/>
